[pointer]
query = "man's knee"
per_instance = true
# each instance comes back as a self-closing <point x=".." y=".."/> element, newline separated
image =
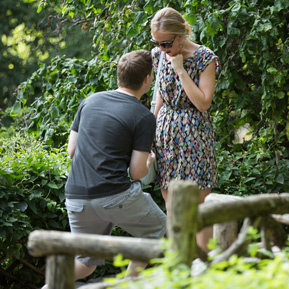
<point x="82" y="271"/>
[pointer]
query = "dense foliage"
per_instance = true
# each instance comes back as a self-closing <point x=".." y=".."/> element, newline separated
<point x="58" y="89"/>
<point x="31" y="197"/>
<point x="28" y="38"/>
<point x="237" y="273"/>
<point x="32" y="181"/>
<point x="251" y="40"/>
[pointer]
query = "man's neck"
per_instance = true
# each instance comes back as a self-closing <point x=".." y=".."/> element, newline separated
<point x="129" y="92"/>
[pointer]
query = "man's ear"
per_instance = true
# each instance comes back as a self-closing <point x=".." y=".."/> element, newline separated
<point x="147" y="79"/>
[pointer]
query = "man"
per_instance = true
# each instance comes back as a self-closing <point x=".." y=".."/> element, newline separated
<point x="113" y="131"/>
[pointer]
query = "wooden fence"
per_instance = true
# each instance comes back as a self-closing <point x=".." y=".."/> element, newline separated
<point x="187" y="217"/>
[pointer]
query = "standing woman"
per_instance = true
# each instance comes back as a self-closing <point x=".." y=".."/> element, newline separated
<point x="184" y="137"/>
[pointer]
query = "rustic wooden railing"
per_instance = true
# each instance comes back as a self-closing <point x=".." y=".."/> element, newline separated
<point x="226" y="232"/>
<point x="186" y="218"/>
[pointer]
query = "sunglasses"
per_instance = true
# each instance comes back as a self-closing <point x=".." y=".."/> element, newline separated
<point x="164" y="44"/>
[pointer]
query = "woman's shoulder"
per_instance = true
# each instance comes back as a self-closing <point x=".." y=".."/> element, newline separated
<point x="204" y="56"/>
<point x="205" y="51"/>
<point x="200" y="51"/>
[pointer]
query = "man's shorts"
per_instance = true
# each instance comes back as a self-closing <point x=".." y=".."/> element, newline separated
<point x="132" y="210"/>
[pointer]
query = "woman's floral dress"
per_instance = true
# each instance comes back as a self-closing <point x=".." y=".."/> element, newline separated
<point x="184" y="137"/>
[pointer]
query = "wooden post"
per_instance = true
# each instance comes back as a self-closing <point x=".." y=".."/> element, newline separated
<point x="239" y="247"/>
<point x="182" y="214"/>
<point x="226" y="233"/>
<point x="60" y="272"/>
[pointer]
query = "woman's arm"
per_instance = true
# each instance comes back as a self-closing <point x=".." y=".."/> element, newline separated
<point x="159" y="103"/>
<point x="201" y="96"/>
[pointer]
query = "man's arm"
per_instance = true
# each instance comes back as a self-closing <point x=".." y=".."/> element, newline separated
<point x="140" y="163"/>
<point x="72" y="142"/>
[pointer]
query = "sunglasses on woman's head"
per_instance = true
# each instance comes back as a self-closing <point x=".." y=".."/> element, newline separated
<point x="164" y="44"/>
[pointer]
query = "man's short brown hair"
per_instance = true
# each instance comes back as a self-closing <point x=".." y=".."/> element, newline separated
<point x="132" y="69"/>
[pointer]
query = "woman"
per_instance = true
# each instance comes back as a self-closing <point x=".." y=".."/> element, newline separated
<point x="184" y="137"/>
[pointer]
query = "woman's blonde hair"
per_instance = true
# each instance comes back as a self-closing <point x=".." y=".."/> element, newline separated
<point x="168" y="20"/>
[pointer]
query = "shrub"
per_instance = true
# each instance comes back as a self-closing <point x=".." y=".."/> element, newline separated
<point x="236" y="273"/>
<point x="31" y="195"/>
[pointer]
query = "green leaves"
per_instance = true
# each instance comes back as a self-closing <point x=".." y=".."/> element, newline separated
<point x="132" y="30"/>
<point x="252" y="172"/>
<point x="15" y="109"/>
<point x="236" y="7"/>
<point x="53" y="185"/>
<point x="233" y="31"/>
<point x="31" y="196"/>
<point x="281" y="5"/>
<point x="60" y="88"/>
<point x="22" y="206"/>
<point x="237" y="273"/>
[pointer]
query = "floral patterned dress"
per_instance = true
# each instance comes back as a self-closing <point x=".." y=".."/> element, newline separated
<point x="184" y="137"/>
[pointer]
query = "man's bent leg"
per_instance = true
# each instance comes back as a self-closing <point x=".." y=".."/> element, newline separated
<point x="82" y="271"/>
<point x="207" y="233"/>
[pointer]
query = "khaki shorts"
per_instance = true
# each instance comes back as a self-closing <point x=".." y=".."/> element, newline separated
<point x="132" y="210"/>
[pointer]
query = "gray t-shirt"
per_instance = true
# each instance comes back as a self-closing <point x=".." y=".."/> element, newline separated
<point x="110" y="125"/>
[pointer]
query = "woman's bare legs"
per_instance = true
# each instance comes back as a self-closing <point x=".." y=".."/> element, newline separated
<point x="165" y="197"/>
<point x="134" y="267"/>
<point x="204" y="235"/>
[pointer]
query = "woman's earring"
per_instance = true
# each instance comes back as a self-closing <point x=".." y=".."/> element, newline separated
<point x="181" y="46"/>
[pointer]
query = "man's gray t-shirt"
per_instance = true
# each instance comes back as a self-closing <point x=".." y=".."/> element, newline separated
<point x="110" y="125"/>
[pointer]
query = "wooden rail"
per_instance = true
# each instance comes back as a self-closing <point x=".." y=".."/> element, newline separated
<point x="187" y="218"/>
<point x="226" y="232"/>
<point x="43" y="243"/>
